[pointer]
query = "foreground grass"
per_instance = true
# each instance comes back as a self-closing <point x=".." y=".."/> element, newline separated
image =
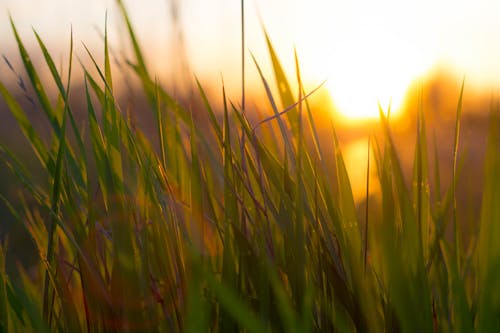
<point x="235" y="226"/>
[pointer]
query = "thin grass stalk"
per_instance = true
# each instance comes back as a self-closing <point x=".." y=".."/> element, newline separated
<point x="419" y="162"/>
<point x="243" y="108"/>
<point x="243" y="55"/>
<point x="365" y="247"/>
<point x="56" y="191"/>
<point x="299" y="200"/>
<point x="456" y="238"/>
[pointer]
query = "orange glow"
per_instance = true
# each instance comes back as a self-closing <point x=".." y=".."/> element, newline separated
<point x="369" y="73"/>
<point x="356" y="157"/>
<point x="368" y="51"/>
<point x="374" y="59"/>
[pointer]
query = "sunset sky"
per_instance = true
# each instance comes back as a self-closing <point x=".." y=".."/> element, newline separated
<point x="368" y="51"/>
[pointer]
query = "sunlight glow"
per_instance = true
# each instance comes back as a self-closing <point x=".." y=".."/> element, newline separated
<point x="369" y="52"/>
<point x="370" y="71"/>
<point x="374" y="57"/>
<point x="356" y="158"/>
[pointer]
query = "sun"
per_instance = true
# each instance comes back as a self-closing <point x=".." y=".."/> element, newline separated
<point x="364" y="77"/>
<point x="373" y="59"/>
<point x="372" y="69"/>
<point x="370" y="52"/>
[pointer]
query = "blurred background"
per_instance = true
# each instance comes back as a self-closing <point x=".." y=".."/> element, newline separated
<point x="369" y="52"/>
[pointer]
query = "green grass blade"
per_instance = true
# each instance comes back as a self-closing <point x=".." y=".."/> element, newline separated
<point x="283" y="85"/>
<point x="402" y="250"/>
<point x="488" y="254"/>
<point x="456" y="237"/>
<point x="55" y="204"/>
<point x="461" y="314"/>
<point x="26" y="127"/>
<point x="4" y="305"/>
<point x="64" y="92"/>
<point x="211" y="114"/>
<point x="281" y="124"/>
<point x="141" y="64"/>
<point x="231" y="303"/>
<point x="421" y="192"/>
<point x="36" y="83"/>
<point x="197" y="222"/>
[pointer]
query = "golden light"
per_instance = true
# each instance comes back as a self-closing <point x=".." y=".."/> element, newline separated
<point x="369" y="51"/>
<point x="370" y="71"/>
<point x="373" y="65"/>
<point x="356" y="160"/>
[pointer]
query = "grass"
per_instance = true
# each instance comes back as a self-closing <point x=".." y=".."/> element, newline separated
<point x="236" y="225"/>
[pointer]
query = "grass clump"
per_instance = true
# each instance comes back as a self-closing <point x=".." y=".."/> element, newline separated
<point x="234" y="226"/>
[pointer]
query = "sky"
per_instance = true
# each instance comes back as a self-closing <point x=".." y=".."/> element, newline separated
<point x="367" y="51"/>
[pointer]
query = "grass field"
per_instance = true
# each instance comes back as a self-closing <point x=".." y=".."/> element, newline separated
<point x="235" y="225"/>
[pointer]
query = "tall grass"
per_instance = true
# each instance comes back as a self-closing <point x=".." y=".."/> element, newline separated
<point x="234" y="226"/>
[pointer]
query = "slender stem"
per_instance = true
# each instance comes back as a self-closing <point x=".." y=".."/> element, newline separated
<point x="243" y="160"/>
<point x="454" y="175"/>
<point x="367" y="202"/>
<point x="243" y="55"/>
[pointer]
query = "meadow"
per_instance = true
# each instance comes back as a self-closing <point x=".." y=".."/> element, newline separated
<point x="221" y="221"/>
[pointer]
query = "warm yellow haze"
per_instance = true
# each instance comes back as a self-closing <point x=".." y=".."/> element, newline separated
<point x="368" y="51"/>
